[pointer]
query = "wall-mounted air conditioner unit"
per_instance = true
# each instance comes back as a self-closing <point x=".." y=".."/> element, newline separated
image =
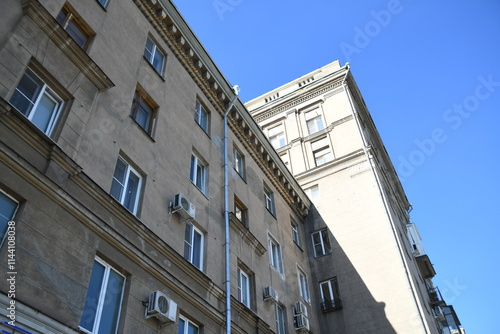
<point x="300" y="308"/>
<point x="301" y="322"/>
<point x="161" y="307"/>
<point x="270" y="294"/>
<point x="184" y="207"/>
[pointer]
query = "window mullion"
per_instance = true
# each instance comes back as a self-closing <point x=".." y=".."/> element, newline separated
<point x="102" y="296"/>
<point x="37" y="100"/>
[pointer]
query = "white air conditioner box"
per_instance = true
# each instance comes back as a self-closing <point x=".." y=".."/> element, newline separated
<point x="161" y="307"/>
<point x="300" y="308"/>
<point x="270" y="294"/>
<point x="184" y="207"/>
<point x="301" y="322"/>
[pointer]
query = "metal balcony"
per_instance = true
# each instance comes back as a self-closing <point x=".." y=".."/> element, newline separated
<point x="328" y="305"/>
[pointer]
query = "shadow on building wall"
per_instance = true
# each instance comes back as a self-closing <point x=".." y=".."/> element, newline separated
<point x="359" y="312"/>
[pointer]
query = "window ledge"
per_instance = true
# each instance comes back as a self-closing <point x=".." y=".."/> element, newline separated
<point x="66" y="44"/>
<point x="246" y="235"/>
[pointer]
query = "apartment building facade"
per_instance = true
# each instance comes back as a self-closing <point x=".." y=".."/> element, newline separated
<point x="113" y="182"/>
<point x="321" y="128"/>
<point x="139" y="195"/>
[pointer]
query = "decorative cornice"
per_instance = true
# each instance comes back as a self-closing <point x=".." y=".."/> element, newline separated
<point x="175" y="32"/>
<point x="294" y="102"/>
<point x="34" y="10"/>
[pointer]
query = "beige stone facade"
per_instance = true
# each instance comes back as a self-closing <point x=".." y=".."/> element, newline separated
<point x="113" y="186"/>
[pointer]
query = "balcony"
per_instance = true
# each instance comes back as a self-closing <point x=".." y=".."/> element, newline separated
<point x="329" y="305"/>
<point x="425" y="266"/>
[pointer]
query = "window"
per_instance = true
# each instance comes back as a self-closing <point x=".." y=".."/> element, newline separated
<point x="280" y="320"/>
<point x="154" y="56"/>
<point x="304" y="287"/>
<point x="295" y="233"/>
<point x="37" y="101"/>
<point x="201" y="116"/>
<point x="75" y="27"/>
<point x="143" y="112"/>
<point x="239" y="162"/>
<point x="193" y="246"/>
<point x="243" y="287"/>
<point x="286" y="160"/>
<point x="330" y="295"/>
<point x="321" y="151"/>
<point x="269" y="200"/>
<point x="275" y="257"/>
<point x="321" y="243"/>
<point x="241" y="212"/>
<point x="277" y="136"/>
<point x="312" y="192"/>
<point x="101" y="311"/>
<point x="126" y="186"/>
<point x="8" y="208"/>
<point x="314" y="121"/>
<point x="199" y="173"/>
<point x="187" y="327"/>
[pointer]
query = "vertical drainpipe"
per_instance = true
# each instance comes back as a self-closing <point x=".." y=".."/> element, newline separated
<point x="227" y="249"/>
<point x="384" y="200"/>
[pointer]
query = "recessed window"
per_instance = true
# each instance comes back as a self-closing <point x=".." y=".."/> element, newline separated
<point x="239" y="162"/>
<point x="241" y="212"/>
<point x="187" y="327"/>
<point x="193" y="245"/>
<point x="126" y="186"/>
<point x="37" y="101"/>
<point x="277" y="136"/>
<point x="75" y="27"/>
<point x="330" y="299"/>
<point x="280" y="319"/>
<point x="321" y="243"/>
<point x="303" y="285"/>
<point x="244" y="287"/>
<point x="295" y="233"/>
<point x="101" y="311"/>
<point x="8" y="208"/>
<point x="275" y="255"/>
<point x="154" y="56"/>
<point x="314" y="121"/>
<point x="269" y="200"/>
<point x="144" y="112"/>
<point x="321" y="151"/>
<point x="201" y="116"/>
<point x="199" y="173"/>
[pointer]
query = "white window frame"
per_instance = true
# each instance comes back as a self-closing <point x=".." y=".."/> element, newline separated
<point x="7" y="218"/>
<point x="280" y="319"/>
<point x="295" y="233"/>
<point x="198" y="173"/>
<point x="276" y="136"/>
<point x="322" y="155"/>
<point x="201" y="116"/>
<point x="323" y="235"/>
<point x="141" y="102"/>
<point x="314" y="121"/>
<point x="269" y="200"/>
<point x="275" y="255"/>
<point x="313" y="193"/>
<point x="42" y="91"/>
<point x="239" y="162"/>
<point x="102" y="301"/>
<point x="332" y="287"/>
<point x="150" y="55"/>
<point x="187" y="323"/>
<point x="240" y="212"/>
<point x="303" y="285"/>
<point x="124" y="185"/>
<point x="189" y="245"/>
<point x="244" y="288"/>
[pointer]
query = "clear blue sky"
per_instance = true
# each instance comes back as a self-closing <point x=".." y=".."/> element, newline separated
<point x="430" y="75"/>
